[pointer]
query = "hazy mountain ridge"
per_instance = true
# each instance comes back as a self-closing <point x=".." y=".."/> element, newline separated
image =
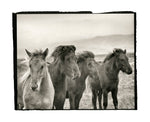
<point x="104" y="44"/>
<point x="98" y="44"/>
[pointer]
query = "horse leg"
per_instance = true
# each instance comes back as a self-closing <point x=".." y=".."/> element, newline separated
<point x="94" y="98"/>
<point x="59" y="101"/>
<point x="72" y="101"/>
<point x="114" y="96"/>
<point x="53" y="107"/>
<point x="77" y="100"/>
<point x="100" y="98"/>
<point x="59" y="104"/>
<point x="105" y="98"/>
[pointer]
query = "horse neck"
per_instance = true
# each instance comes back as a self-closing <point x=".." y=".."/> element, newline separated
<point x="112" y="70"/>
<point x="45" y="84"/>
<point x="84" y="73"/>
<point x="55" y="72"/>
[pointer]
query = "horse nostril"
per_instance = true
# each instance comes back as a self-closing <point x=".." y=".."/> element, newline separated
<point x="34" y="87"/>
<point x="76" y="76"/>
<point x="130" y="71"/>
<point x="79" y="74"/>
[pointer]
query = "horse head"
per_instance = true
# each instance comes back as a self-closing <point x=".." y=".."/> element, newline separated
<point x="66" y="57"/>
<point x="89" y="64"/>
<point x="122" y="61"/>
<point x="38" y="67"/>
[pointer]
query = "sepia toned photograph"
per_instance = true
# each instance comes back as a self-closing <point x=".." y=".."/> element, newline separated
<point x="75" y="61"/>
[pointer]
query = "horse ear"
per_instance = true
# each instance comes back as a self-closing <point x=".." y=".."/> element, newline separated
<point x="115" y="51"/>
<point x="45" y="53"/>
<point x="51" y="59"/>
<point x="28" y="53"/>
<point x="74" y="48"/>
<point x="125" y="51"/>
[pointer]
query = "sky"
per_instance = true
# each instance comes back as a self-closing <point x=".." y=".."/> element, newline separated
<point x="38" y="31"/>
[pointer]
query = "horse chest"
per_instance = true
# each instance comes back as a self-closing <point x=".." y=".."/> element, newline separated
<point x="35" y="100"/>
<point x="111" y="85"/>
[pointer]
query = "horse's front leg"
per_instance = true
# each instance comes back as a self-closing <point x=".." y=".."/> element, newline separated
<point x="94" y="98"/>
<point x="114" y="96"/>
<point x="59" y="104"/>
<point x="77" y="100"/>
<point x="59" y="100"/>
<point x="72" y="101"/>
<point x="105" y="98"/>
<point x="100" y="98"/>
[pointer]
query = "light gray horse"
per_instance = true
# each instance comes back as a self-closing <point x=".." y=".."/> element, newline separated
<point x="38" y="90"/>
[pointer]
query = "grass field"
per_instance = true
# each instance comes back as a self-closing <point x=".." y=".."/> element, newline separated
<point x="126" y="94"/>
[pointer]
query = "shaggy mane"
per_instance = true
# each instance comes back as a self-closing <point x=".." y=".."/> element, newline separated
<point x="61" y="51"/>
<point x="83" y="56"/>
<point x="109" y="56"/>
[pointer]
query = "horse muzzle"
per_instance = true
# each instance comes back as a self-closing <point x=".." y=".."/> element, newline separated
<point x="129" y="71"/>
<point x="76" y="75"/>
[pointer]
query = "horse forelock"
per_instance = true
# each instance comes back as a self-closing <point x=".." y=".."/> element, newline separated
<point x="26" y="62"/>
<point x="118" y="50"/>
<point x="62" y="51"/>
<point x="37" y="53"/>
<point x="84" y="55"/>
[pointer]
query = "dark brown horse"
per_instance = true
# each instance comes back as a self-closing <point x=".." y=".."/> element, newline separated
<point x="37" y="87"/>
<point x="108" y="80"/>
<point x="64" y="64"/>
<point x="87" y="66"/>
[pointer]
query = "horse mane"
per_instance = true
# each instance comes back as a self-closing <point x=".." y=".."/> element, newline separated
<point x="27" y="73"/>
<point x="62" y="50"/>
<point x="110" y="55"/>
<point x="84" y="55"/>
<point x="24" y="78"/>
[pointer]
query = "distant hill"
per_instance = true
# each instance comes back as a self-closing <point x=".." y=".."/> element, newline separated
<point x="98" y="44"/>
<point x="104" y="44"/>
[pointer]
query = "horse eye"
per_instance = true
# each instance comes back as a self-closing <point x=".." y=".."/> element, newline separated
<point x="41" y="67"/>
<point x="30" y="65"/>
<point x="121" y="60"/>
<point x="89" y="64"/>
<point x="68" y="59"/>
